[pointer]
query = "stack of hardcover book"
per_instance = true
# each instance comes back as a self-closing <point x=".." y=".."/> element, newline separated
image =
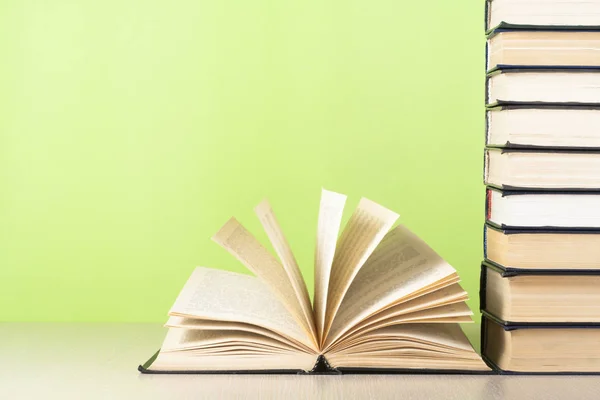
<point x="540" y="281"/>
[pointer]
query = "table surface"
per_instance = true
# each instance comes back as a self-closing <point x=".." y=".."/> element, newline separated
<point x="99" y="361"/>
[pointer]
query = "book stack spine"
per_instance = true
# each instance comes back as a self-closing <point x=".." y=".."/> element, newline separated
<point x="542" y="104"/>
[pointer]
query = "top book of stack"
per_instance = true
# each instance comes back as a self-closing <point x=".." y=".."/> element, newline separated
<point x="543" y="14"/>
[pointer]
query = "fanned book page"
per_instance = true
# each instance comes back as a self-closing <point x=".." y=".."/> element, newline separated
<point x="384" y="301"/>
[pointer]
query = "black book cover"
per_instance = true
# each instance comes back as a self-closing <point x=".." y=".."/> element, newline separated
<point x="508" y="272"/>
<point x="321" y="367"/>
<point x="509" y="190"/>
<point x="517" y="231"/>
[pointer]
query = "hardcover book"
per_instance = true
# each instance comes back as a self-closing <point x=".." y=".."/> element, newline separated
<point x="384" y="301"/>
<point x="550" y="126"/>
<point x="534" y="348"/>
<point x="543" y="85"/>
<point x="547" y="14"/>
<point x="548" y="210"/>
<point x="551" y="169"/>
<point x="530" y="48"/>
<point x="540" y="296"/>
<point x="537" y="249"/>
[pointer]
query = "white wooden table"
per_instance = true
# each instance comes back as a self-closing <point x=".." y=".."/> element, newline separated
<point x="99" y="361"/>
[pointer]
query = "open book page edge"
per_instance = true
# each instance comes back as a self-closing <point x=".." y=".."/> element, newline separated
<point x="451" y="294"/>
<point x="193" y="323"/>
<point x="331" y="209"/>
<point x="272" y="228"/>
<point x="453" y="334"/>
<point x="275" y="363"/>
<point x="401" y="266"/>
<point x="244" y="246"/>
<point x="346" y="264"/>
<point x="218" y="295"/>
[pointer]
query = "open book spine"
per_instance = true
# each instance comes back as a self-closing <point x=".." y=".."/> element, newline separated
<point x="321" y="367"/>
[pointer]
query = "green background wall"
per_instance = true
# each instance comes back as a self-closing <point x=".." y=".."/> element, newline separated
<point x="130" y="130"/>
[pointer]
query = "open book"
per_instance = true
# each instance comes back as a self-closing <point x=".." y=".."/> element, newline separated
<point x="383" y="300"/>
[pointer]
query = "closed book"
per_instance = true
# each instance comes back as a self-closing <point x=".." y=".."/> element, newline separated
<point x="547" y="126"/>
<point x="551" y="210"/>
<point x="543" y="85"/>
<point x="540" y="349"/>
<point x="542" y="48"/>
<point x="551" y="169"/>
<point x="540" y="296"/>
<point x="537" y="249"/>
<point x="547" y="14"/>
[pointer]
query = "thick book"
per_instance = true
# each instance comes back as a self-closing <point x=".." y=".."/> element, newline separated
<point x="540" y="296"/>
<point x="537" y="85"/>
<point x="542" y="14"/>
<point x="540" y="349"/>
<point x="384" y="301"/>
<point x="527" y="48"/>
<point x="549" y="210"/>
<point x="548" y="126"/>
<point x="537" y="249"/>
<point x="550" y="169"/>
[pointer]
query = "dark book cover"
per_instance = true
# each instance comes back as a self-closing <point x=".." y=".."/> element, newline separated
<point x="321" y="367"/>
